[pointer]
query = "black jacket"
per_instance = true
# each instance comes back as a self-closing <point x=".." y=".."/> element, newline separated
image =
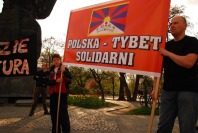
<point x="41" y="78"/>
<point x="66" y="74"/>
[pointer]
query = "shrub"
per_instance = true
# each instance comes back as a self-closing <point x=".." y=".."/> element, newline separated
<point x="78" y="90"/>
<point x="88" y="102"/>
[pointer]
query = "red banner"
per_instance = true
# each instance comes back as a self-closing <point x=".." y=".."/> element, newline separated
<point x="122" y="36"/>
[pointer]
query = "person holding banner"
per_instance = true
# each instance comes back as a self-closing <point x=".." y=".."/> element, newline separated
<point x="59" y="81"/>
<point x="41" y="88"/>
<point x="180" y="88"/>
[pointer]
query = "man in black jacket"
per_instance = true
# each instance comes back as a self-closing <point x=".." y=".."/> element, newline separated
<point x="41" y="88"/>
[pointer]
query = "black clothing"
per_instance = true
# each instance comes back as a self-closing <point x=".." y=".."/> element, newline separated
<point x="63" y="118"/>
<point x="41" y="78"/>
<point x="66" y="74"/>
<point x="177" y="78"/>
<point x="37" y="92"/>
<point x="41" y="88"/>
<point x="64" y="122"/>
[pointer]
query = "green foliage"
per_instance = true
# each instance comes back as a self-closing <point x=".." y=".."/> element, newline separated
<point x="142" y="111"/>
<point x="131" y="81"/>
<point x="88" y="102"/>
<point x="80" y="76"/>
<point x="78" y="90"/>
<point x="146" y="84"/>
<point x="49" y="47"/>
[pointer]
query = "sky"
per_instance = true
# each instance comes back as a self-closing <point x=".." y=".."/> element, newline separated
<point x="56" y="24"/>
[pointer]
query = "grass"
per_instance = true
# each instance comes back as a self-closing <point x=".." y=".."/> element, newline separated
<point x="88" y="102"/>
<point x="142" y="111"/>
<point x="96" y="103"/>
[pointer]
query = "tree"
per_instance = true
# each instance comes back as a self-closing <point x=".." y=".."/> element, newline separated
<point x="131" y="81"/>
<point x="110" y="82"/>
<point x="147" y="87"/>
<point x="121" y="91"/>
<point x="103" y="79"/>
<point x="49" y="47"/>
<point x="114" y="81"/>
<point x="124" y="85"/>
<point x="80" y="76"/>
<point x="137" y="80"/>
<point x="98" y="75"/>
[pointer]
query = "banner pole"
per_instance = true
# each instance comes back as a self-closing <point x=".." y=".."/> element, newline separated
<point x="58" y="107"/>
<point x="154" y="103"/>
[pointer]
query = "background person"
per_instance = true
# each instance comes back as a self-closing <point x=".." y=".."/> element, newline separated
<point x="41" y="88"/>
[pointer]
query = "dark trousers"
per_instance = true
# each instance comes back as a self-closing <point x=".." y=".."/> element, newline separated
<point x="178" y="104"/>
<point x="37" y="92"/>
<point x="64" y="122"/>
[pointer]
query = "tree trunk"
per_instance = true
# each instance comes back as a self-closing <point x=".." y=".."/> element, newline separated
<point x="113" y="86"/>
<point x="101" y="91"/>
<point x="121" y="91"/>
<point x="127" y="91"/>
<point x="98" y="80"/>
<point x="145" y="96"/>
<point x="145" y="83"/>
<point x="136" y="87"/>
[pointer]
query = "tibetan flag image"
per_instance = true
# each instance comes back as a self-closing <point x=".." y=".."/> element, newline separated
<point x="118" y="35"/>
<point x="109" y="20"/>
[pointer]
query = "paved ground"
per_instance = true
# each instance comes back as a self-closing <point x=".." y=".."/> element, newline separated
<point x="14" y="119"/>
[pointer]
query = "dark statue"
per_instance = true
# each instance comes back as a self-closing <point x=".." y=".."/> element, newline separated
<point x="18" y="19"/>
